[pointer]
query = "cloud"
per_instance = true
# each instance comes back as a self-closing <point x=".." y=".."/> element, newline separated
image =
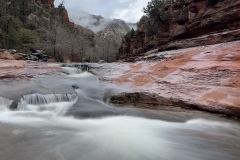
<point x="86" y="20"/>
<point x="127" y="10"/>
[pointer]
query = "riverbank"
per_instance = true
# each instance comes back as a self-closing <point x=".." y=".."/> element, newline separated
<point x="201" y="78"/>
<point x="48" y="122"/>
<point x="204" y="78"/>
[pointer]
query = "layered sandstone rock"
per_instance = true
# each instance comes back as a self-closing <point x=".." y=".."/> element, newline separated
<point x="205" y="78"/>
<point x="11" y="70"/>
<point x="198" y="22"/>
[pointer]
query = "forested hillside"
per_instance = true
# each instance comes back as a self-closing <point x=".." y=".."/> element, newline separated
<point x="34" y="24"/>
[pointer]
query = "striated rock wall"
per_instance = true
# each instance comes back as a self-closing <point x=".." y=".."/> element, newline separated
<point x="203" y="21"/>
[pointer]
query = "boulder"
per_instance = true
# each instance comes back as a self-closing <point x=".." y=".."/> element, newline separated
<point x="32" y="58"/>
<point x="86" y="107"/>
<point x="13" y="51"/>
<point x="38" y="55"/>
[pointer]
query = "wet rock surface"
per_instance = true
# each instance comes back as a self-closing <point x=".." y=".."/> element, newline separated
<point x="205" y="78"/>
<point x="11" y="70"/>
<point x="18" y="78"/>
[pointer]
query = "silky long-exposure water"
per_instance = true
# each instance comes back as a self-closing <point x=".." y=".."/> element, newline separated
<point x="82" y="126"/>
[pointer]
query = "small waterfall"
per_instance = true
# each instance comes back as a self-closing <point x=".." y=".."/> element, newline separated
<point x="71" y="71"/>
<point x="4" y="103"/>
<point x="39" y="99"/>
<point x="75" y="69"/>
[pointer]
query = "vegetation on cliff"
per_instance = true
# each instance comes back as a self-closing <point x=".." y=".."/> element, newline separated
<point x="156" y="8"/>
<point x="15" y="30"/>
<point x="175" y="24"/>
<point x="26" y="24"/>
<point x="155" y="16"/>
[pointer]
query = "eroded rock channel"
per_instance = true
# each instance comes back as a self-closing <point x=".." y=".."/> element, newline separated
<point x="53" y="112"/>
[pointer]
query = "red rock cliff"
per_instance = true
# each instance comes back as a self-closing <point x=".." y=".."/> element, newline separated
<point x="65" y="17"/>
<point x="50" y="4"/>
<point x="196" y="23"/>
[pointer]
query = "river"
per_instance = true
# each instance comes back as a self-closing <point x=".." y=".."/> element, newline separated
<point x="68" y="117"/>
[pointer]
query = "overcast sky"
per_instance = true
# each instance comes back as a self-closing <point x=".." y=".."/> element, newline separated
<point x="127" y="10"/>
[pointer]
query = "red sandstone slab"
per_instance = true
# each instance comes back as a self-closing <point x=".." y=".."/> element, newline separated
<point x="207" y="77"/>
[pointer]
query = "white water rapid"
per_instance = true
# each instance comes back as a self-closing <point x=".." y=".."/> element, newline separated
<point x="41" y="129"/>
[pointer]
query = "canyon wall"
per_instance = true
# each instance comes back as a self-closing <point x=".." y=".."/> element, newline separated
<point x="194" y="23"/>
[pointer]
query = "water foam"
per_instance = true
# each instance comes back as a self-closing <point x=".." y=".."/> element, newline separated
<point x="4" y="103"/>
<point x="82" y="75"/>
<point x="133" y="138"/>
<point x="111" y="138"/>
<point x="71" y="70"/>
<point x="38" y="99"/>
<point x="121" y="137"/>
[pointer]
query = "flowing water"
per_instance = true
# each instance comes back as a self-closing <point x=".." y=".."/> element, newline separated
<point x="82" y="126"/>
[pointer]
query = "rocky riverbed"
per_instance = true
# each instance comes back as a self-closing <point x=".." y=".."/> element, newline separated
<point x="202" y="78"/>
<point x="53" y="112"/>
<point x="205" y="78"/>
